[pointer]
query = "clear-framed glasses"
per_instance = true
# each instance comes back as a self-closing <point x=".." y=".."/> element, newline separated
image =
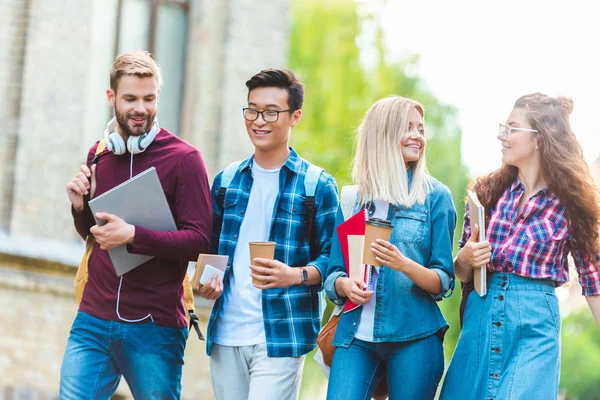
<point x="251" y="114"/>
<point x="504" y="130"/>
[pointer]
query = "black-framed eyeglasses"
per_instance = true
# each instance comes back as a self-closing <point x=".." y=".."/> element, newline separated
<point x="250" y="114"/>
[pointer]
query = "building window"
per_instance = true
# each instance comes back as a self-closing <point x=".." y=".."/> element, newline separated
<point x="159" y="26"/>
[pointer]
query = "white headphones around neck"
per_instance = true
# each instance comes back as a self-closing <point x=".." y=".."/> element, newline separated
<point x="135" y="144"/>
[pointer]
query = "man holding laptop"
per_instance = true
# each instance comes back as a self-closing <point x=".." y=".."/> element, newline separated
<point x="134" y="325"/>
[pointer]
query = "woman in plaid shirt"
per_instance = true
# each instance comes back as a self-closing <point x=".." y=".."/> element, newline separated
<point x="542" y="205"/>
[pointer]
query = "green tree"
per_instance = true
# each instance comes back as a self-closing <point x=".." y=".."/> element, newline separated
<point x="580" y="358"/>
<point x="338" y="91"/>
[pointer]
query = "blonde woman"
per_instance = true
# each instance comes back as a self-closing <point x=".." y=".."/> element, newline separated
<point x="398" y="326"/>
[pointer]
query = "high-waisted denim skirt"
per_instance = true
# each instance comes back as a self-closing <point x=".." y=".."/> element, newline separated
<point x="509" y="346"/>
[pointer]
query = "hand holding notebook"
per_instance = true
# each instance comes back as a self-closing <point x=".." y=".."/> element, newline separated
<point x="207" y="266"/>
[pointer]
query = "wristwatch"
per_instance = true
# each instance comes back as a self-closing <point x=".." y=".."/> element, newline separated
<point x="304" y="275"/>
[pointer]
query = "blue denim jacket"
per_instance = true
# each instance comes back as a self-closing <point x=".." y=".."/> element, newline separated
<point x="403" y="311"/>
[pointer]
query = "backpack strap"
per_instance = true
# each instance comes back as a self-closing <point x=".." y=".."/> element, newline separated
<point x="311" y="180"/>
<point x="101" y="146"/>
<point x="226" y="178"/>
<point x="348" y="200"/>
<point x="188" y="300"/>
<point x="81" y="276"/>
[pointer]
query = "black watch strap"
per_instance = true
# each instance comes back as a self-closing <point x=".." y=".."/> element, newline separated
<point x="304" y="273"/>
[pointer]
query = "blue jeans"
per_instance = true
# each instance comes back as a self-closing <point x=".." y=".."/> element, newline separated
<point x="98" y="352"/>
<point x="414" y="369"/>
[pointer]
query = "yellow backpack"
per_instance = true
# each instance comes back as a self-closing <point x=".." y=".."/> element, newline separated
<point x="81" y="277"/>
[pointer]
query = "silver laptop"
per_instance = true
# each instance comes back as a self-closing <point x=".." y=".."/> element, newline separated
<point x="138" y="201"/>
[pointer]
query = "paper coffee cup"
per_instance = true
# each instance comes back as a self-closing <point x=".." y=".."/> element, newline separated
<point x="375" y="229"/>
<point x="261" y="250"/>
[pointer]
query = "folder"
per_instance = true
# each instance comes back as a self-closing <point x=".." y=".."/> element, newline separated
<point x="351" y="234"/>
<point x="477" y="216"/>
<point x="206" y="266"/>
<point x="138" y="201"/>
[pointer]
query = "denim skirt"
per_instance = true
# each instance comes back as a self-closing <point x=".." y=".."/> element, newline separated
<point x="509" y="346"/>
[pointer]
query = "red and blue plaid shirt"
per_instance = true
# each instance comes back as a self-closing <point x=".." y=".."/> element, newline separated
<point x="536" y="243"/>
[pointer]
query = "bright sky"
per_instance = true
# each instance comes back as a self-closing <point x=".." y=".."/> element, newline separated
<point x="481" y="56"/>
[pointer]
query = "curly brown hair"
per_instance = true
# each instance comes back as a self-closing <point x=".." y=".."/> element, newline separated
<point x="563" y="168"/>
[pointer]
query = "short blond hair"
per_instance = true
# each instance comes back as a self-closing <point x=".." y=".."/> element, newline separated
<point x="138" y="63"/>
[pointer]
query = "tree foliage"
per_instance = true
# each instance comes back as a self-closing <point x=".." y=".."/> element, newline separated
<point x="580" y="358"/>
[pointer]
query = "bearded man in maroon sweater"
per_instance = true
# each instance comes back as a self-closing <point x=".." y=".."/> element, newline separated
<point x="135" y="325"/>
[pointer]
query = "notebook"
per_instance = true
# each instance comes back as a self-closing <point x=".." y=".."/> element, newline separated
<point x="138" y="201"/>
<point x="349" y="244"/>
<point x="355" y="255"/>
<point x="208" y="265"/>
<point x="477" y="216"/>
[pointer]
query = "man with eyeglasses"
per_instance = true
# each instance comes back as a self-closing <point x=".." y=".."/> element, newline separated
<point x="258" y="335"/>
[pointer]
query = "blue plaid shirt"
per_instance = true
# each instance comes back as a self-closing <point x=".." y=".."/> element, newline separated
<point x="292" y="315"/>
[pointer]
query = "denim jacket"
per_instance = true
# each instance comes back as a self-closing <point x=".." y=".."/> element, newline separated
<point x="403" y="311"/>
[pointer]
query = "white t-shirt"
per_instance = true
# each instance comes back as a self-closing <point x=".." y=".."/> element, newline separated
<point x="367" y="317"/>
<point x="241" y="322"/>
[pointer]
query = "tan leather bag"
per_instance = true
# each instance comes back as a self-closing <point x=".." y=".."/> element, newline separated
<point x="325" y="339"/>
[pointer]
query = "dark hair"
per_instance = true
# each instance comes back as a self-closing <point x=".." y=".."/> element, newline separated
<point x="281" y="78"/>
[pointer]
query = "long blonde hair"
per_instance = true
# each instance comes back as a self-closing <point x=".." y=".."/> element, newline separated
<point x="379" y="168"/>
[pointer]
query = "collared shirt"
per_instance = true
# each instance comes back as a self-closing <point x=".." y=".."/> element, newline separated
<point x="536" y="243"/>
<point x="155" y="287"/>
<point x="292" y="315"/>
<point x="404" y="311"/>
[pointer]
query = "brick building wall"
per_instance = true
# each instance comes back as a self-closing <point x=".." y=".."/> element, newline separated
<point x="55" y="57"/>
<point x="62" y="106"/>
<point x="13" y="32"/>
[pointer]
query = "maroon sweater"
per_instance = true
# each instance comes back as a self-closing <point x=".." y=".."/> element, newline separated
<point x="154" y="287"/>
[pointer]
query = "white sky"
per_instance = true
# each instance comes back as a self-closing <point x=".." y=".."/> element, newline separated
<point x="481" y="56"/>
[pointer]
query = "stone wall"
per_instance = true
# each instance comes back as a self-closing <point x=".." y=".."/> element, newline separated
<point x="55" y="57"/>
<point x="61" y="104"/>
<point x="13" y="33"/>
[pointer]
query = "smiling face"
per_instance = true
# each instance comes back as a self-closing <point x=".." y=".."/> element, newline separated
<point x="135" y="103"/>
<point x="413" y="141"/>
<point x="271" y="136"/>
<point x="520" y="147"/>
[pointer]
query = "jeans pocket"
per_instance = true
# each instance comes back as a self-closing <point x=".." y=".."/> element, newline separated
<point x="553" y="310"/>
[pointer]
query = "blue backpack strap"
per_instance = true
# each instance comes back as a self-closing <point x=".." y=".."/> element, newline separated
<point x="348" y="200"/>
<point x="226" y="178"/>
<point x="311" y="180"/>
